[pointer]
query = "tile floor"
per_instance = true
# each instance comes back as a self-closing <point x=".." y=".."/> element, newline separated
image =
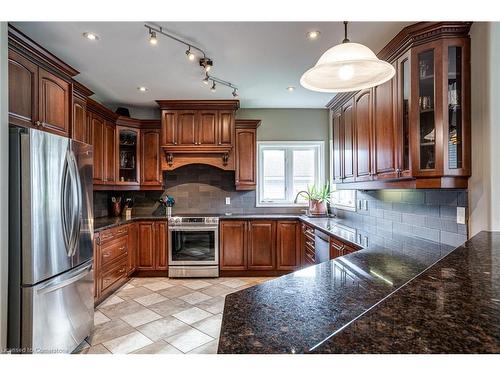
<point x="162" y="315"/>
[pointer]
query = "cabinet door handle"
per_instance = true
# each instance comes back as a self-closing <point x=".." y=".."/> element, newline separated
<point x="121" y="248"/>
<point x="106" y="255"/>
<point x="38" y="123"/>
<point x="220" y="143"/>
<point x="175" y="143"/>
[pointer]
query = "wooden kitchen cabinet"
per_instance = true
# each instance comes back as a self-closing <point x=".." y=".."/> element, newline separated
<point x="146" y="255"/>
<point x="54" y="95"/>
<point x="362" y="135"/>
<point x="261" y="245"/>
<point x="225" y="133"/>
<point x="79" y="131"/>
<point x="414" y="130"/>
<point x="208" y="128"/>
<point x="347" y="131"/>
<point x="161" y="246"/>
<point x="233" y="245"/>
<point x="152" y="246"/>
<point x="288" y="245"/>
<point x="109" y="153"/>
<point x="133" y="244"/>
<point x="385" y="131"/>
<point x="339" y="248"/>
<point x="187" y="128"/>
<point x="23" y="90"/>
<point x="151" y="173"/>
<point x="246" y="154"/>
<point x="97" y="131"/>
<point x="38" y="98"/>
<point x="128" y="155"/>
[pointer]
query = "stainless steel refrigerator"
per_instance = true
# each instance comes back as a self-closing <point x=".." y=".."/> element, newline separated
<point x="51" y="281"/>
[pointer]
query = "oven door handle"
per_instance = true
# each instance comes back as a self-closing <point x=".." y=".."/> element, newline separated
<point x="193" y="229"/>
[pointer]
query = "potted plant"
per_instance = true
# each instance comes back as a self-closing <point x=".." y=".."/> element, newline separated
<point x="168" y="202"/>
<point x="318" y="198"/>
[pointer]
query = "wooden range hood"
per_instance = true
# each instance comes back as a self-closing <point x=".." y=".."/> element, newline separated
<point x="198" y="132"/>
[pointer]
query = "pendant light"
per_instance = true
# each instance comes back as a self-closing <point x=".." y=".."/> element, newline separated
<point x="347" y="67"/>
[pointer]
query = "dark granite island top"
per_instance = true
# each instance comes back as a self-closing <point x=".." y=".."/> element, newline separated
<point x="412" y="297"/>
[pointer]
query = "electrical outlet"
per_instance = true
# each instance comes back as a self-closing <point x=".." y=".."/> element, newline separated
<point x="228" y="200"/>
<point x="460" y="215"/>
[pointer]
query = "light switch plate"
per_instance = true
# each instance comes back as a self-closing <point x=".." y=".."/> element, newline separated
<point x="228" y="200"/>
<point x="365" y="204"/>
<point x="460" y="215"/>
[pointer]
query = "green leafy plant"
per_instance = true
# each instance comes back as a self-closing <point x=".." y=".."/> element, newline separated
<point x="318" y="193"/>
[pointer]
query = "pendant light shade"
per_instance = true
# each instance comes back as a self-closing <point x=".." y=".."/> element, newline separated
<point x="347" y="67"/>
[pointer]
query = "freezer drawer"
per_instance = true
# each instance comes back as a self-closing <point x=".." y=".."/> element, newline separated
<point x="58" y="314"/>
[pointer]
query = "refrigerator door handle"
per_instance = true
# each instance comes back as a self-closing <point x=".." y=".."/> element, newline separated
<point x="64" y="206"/>
<point x="72" y="277"/>
<point x="71" y="204"/>
<point x="77" y="211"/>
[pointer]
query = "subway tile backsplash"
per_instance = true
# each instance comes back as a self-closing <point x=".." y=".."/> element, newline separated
<point x="429" y="214"/>
<point x="197" y="189"/>
<point x="200" y="189"/>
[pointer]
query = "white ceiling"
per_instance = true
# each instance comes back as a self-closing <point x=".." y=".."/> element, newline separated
<point x="261" y="58"/>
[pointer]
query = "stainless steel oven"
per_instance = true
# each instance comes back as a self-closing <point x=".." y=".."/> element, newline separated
<point x="193" y="247"/>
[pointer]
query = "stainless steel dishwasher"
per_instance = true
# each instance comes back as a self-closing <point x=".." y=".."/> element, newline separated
<point x="321" y="246"/>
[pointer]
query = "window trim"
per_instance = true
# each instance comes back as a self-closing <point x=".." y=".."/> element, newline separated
<point x="320" y="145"/>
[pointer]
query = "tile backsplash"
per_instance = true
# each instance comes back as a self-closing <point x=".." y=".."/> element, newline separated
<point x="200" y="189"/>
<point x="429" y="214"/>
<point x="197" y="189"/>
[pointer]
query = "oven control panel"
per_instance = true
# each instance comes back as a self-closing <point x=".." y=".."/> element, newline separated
<point x="178" y="220"/>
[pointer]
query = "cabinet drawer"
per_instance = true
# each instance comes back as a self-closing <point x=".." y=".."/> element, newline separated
<point x="308" y="232"/>
<point x="309" y="259"/>
<point x="114" y="274"/>
<point x="113" y="250"/>
<point x="110" y="234"/>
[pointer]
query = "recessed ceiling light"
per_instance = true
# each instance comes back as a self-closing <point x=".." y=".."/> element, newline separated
<point x="90" y="36"/>
<point x="142" y="89"/>
<point x="290" y="88"/>
<point x="313" y="34"/>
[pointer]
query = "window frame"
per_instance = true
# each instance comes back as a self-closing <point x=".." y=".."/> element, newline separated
<point x="288" y="146"/>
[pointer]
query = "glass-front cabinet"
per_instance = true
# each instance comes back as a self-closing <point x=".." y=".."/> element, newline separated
<point x="403" y="101"/>
<point x="128" y="143"/>
<point x="438" y="96"/>
<point x="456" y="100"/>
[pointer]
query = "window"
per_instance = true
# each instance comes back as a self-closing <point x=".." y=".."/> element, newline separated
<point x="344" y="199"/>
<point x="285" y="168"/>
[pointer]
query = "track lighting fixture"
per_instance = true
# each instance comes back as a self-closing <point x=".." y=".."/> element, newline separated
<point x="190" y="55"/>
<point x="152" y="38"/>
<point x="206" y="63"/>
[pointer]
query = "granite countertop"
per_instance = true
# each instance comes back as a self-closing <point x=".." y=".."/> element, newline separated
<point x="409" y="295"/>
<point x="453" y="307"/>
<point x="107" y="222"/>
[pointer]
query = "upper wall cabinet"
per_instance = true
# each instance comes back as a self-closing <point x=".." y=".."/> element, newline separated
<point x="414" y="130"/>
<point x="198" y="131"/>
<point x="245" y="175"/>
<point x="40" y="88"/>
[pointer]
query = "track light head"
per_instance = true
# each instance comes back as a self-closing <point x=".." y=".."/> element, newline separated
<point x="152" y="38"/>
<point x="206" y="63"/>
<point x="235" y="93"/>
<point x="206" y="79"/>
<point x="213" y="86"/>
<point x="190" y="55"/>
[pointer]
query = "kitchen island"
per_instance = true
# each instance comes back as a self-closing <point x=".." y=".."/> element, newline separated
<point x="409" y="296"/>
